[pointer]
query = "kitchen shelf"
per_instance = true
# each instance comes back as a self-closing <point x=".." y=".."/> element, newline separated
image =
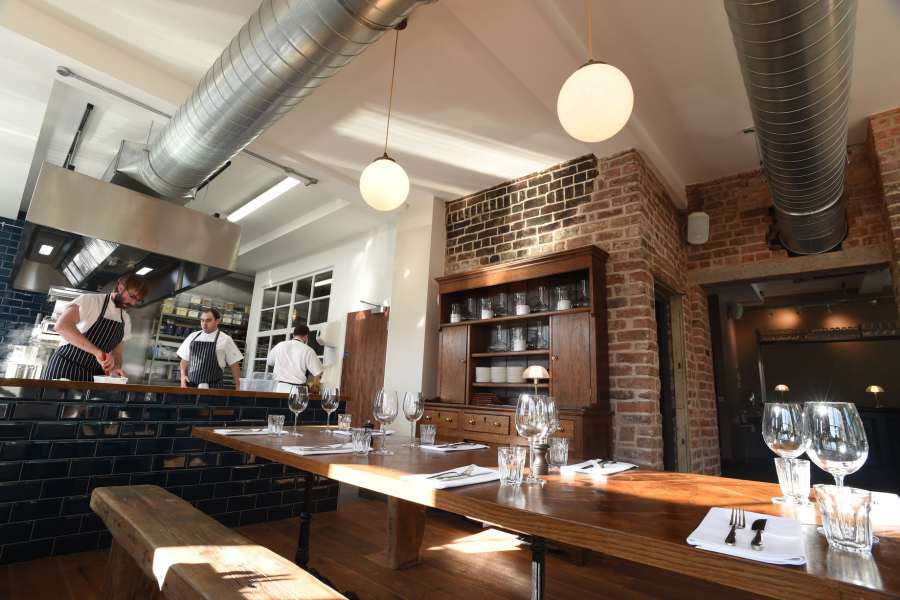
<point x="517" y="318"/>
<point x="524" y="384"/>
<point x="544" y="352"/>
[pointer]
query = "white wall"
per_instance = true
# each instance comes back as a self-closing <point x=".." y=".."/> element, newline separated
<point x="361" y="270"/>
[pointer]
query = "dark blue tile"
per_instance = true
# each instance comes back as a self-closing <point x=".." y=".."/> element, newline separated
<point x="10" y="492"/>
<point x="183" y="477"/>
<point x="188" y="445"/>
<point x="92" y="522"/>
<point x="212" y="507"/>
<point x="215" y="475"/>
<point x="287" y="483"/>
<point x="232" y="459"/>
<point x="180" y="399"/>
<point x="269" y="499"/>
<point x="224" y="414"/>
<point x="81" y="411"/>
<point x="160" y="413"/>
<point x="99" y="430"/>
<point x="49" y="393"/>
<point x="169" y="461"/>
<point x="212" y="401"/>
<point x="54" y="488"/>
<point x="292" y="496"/>
<point x="271" y="402"/>
<point x="9" y="391"/>
<point x="258" y="486"/>
<point x="15" y="431"/>
<point x="73" y="449"/>
<point x="15" y="532"/>
<point x="45" y="469"/>
<point x="26" y="551"/>
<point x="229" y="488"/>
<point x="138" y="429"/>
<point x="76" y="505"/>
<point x="207" y="459"/>
<point x="154" y="446"/>
<point x="143" y="397"/>
<point x="149" y="479"/>
<point x="36" y="411"/>
<point x="82" y="542"/>
<point x="244" y="473"/>
<point x="54" y="431"/>
<point x="109" y="481"/>
<point x="175" y="430"/>
<point x="241" y="503"/>
<point x="122" y="413"/>
<point x="116" y="447"/>
<point x="105" y="396"/>
<point x="254" y="414"/>
<point x="24" y="450"/>
<point x="279" y="512"/>
<point x="271" y="470"/>
<point x="105" y="539"/>
<point x="35" y="509"/>
<point x="197" y="492"/>
<point x="56" y="526"/>
<point x="133" y="464"/>
<point x="254" y="516"/>
<point x="9" y="471"/>
<point x="91" y="466"/>
<point x="229" y="519"/>
<point x="193" y="413"/>
<point x="5" y="509"/>
<point x="325" y="505"/>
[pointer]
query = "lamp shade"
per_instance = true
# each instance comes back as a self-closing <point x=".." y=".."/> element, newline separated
<point x="782" y="388"/>
<point x="384" y="184"/>
<point x="595" y="102"/>
<point x="536" y="372"/>
<point x="875" y="389"/>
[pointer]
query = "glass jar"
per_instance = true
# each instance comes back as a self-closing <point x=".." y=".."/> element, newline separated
<point x="487" y="308"/>
<point x="522" y="306"/>
<point x="543" y="299"/>
<point x="582" y="295"/>
<point x="501" y="304"/>
<point x="562" y="298"/>
<point x="455" y="313"/>
<point x="470" y="311"/>
<point x="519" y="344"/>
<point x="499" y="339"/>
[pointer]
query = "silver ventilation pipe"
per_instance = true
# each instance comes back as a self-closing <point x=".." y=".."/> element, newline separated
<point x="284" y="52"/>
<point x="796" y="58"/>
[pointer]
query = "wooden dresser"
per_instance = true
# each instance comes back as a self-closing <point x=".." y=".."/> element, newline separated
<point x="566" y="334"/>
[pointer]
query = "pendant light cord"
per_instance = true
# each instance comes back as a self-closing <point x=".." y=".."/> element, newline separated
<point x="391" y="93"/>
<point x="590" y="32"/>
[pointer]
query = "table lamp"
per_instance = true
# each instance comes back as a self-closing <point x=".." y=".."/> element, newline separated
<point x="875" y="390"/>
<point x="535" y="372"/>
<point x="781" y="389"/>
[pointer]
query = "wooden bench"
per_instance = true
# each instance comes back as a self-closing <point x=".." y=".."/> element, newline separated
<point x="165" y="548"/>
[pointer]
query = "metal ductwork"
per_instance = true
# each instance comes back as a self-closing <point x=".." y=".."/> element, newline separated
<point x="281" y="55"/>
<point x="796" y="58"/>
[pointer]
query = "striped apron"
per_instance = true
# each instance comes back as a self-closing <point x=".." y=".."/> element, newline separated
<point x="75" y="364"/>
<point x="203" y="366"/>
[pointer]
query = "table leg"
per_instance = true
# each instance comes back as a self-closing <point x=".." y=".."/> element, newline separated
<point x="406" y="528"/>
<point x="538" y="568"/>
<point x="302" y="555"/>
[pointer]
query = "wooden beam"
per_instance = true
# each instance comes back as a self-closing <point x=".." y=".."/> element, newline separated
<point x="406" y="527"/>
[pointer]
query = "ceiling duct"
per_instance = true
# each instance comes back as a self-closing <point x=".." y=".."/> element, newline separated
<point x="796" y="58"/>
<point x="281" y="55"/>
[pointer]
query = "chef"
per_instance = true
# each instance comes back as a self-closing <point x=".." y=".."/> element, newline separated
<point x="204" y="354"/>
<point x="94" y="327"/>
<point x="293" y="359"/>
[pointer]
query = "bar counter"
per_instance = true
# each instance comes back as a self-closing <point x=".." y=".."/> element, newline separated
<point x="61" y="439"/>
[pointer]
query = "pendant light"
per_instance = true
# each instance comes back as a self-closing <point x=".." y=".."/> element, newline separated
<point x="384" y="184"/>
<point x="595" y="102"/>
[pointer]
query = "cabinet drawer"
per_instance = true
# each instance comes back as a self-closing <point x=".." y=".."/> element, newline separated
<point x="566" y="429"/>
<point x="445" y="420"/>
<point x="486" y="423"/>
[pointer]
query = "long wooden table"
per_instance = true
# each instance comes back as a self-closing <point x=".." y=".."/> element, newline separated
<point x="642" y="516"/>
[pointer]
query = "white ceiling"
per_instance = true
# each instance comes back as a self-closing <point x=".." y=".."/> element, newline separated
<point x="474" y="103"/>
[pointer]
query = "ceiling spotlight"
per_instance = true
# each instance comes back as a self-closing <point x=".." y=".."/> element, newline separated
<point x="143" y="271"/>
<point x="45" y="250"/>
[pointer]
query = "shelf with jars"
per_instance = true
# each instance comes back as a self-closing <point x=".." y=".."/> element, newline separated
<point x="497" y="321"/>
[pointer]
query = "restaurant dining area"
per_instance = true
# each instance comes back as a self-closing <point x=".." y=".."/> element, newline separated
<point x="437" y="299"/>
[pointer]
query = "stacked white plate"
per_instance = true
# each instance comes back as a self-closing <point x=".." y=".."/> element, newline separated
<point x="514" y="374"/>
<point x="482" y="374"/>
<point x="498" y="374"/>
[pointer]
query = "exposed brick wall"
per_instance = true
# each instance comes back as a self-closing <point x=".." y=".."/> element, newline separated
<point x="617" y="204"/>
<point x="738" y="208"/>
<point x="884" y="142"/>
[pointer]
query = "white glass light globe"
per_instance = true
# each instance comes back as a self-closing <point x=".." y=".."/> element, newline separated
<point x="595" y="102"/>
<point x="384" y="184"/>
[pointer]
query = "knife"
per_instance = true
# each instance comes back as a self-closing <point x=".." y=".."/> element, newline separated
<point x="758" y="526"/>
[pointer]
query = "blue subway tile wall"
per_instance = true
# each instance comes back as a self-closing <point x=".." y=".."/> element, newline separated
<point x="56" y="446"/>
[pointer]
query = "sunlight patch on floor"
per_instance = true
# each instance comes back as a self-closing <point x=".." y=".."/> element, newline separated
<point x="489" y="540"/>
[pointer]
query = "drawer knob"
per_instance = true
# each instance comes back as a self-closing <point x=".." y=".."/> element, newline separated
<point x="555" y="357"/>
<point x="448" y="419"/>
<point x="471" y="421"/>
<point x="495" y="424"/>
<point x="427" y="417"/>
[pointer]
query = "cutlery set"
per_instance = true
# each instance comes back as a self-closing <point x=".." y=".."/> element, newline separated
<point x="739" y="521"/>
<point x="453" y="474"/>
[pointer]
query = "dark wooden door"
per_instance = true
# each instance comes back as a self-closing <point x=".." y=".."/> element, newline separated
<point x="362" y="371"/>
<point x="570" y="360"/>
<point x="453" y="376"/>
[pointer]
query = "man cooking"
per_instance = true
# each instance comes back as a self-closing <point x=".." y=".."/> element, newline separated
<point x="94" y="327"/>
<point x="292" y="359"/>
<point x="204" y="354"/>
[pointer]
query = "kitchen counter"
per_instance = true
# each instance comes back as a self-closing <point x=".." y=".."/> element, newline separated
<point x="128" y="387"/>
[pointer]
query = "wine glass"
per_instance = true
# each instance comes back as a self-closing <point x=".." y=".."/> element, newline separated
<point x="298" y="400"/>
<point x="413" y="409"/>
<point x="330" y="402"/>
<point x="531" y="422"/>
<point x="838" y="441"/>
<point x="786" y="433"/>
<point x="385" y="411"/>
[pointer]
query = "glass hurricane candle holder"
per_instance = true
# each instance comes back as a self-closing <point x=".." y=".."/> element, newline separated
<point x="522" y="306"/>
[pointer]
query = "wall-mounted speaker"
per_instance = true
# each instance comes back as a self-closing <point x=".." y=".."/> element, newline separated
<point x="697" y="228"/>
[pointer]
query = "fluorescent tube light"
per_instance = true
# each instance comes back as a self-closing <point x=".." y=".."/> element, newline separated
<point x="143" y="270"/>
<point x="45" y="250"/>
<point x="263" y="199"/>
<point x="323" y="282"/>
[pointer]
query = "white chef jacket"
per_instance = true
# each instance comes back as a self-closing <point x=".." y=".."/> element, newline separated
<point x="291" y="360"/>
<point x="227" y="352"/>
<point x="89" y="306"/>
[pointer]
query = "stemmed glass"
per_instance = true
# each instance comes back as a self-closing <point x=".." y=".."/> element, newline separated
<point x="786" y="433"/>
<point x="531" y="423"/>
<point x="413" y="409"/>
<point x="298" y="400"/>
<point x="838" y="441"/>
<point x="385" y="410"/>
<point x="329" y="405"/>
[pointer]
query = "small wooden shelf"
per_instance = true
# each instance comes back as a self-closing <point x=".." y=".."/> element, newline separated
<point x="543" y="352"/>
<point x="525" y="384"/>
<point x="515" y="318"/>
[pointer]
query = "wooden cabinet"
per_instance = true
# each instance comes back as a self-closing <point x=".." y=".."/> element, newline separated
<point x="480" y="369"/>
<point x="453" y="365"/>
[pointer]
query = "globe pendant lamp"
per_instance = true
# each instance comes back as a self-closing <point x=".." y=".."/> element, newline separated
<point x="384" y="184"/>
<point x="595" y="101"/>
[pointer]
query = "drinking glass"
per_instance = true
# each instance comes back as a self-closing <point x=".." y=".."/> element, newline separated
<point x="361" y="440"/>
<point x="531" y="423"/>
<point x="455" y="313"/>
<point x="793" y="478"/>
<point x="276" y="424"/>
<point x="562" y="298"/>
<point x="522" y="306"/>
<point x="385" y="411"/>
<point x="845" y="517"/>
<point x="298" y="400"/>
<point x="330" y="402"/>
<point x="838" y="441"/>
<point x="786" y="433"/>
<point x="582" y="296"/>
<point x="427" y="433"/>
<point x="543" y="299"/>
<point x="344" y="421"/>
<point x="558" y="453"/>
<point x="413" y="409"/>
<point x="501" y="304"/>
<point x="511" y="463"/>
<point x="487" y="308"/>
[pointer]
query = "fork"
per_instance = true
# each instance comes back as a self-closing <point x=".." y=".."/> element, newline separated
<point x="738" y="521"/>
<point x="453" y="474"/>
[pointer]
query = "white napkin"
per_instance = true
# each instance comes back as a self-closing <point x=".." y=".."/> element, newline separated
<point x="374" y="432"/>
<point x="455" y="448"/>
<point x="885" y="510"/>
<point x="308" y="450"/>
<point x="592" y="467"/>
<point x="479" y="475"/>
<point x="782" y="539"/>
<point x="242" y="431"/>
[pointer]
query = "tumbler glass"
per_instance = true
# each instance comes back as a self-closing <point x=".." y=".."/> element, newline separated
<point x="511" y="462"/>
<point x="361" y="440"/>
<point x="845" y="517"/>
<point x="276" y="424"/>
<point x="427" y="433"/>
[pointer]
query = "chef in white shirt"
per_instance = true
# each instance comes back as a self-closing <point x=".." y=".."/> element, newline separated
<point x="293" y="359"/>
<point x="204" y="354"/>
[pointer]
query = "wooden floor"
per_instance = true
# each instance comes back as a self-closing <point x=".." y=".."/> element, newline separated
<point x="460" y="560"/>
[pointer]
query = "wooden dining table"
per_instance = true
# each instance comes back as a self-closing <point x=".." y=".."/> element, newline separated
<point x="643" y="516"/>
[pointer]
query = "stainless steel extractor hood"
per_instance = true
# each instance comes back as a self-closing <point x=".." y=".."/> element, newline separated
<point x="85" y="233"/>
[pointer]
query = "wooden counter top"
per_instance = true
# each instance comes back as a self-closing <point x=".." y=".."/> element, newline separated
<point x="127" y="387"/>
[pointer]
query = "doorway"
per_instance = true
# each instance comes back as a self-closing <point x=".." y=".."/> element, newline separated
<point x="666" y="383"/>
